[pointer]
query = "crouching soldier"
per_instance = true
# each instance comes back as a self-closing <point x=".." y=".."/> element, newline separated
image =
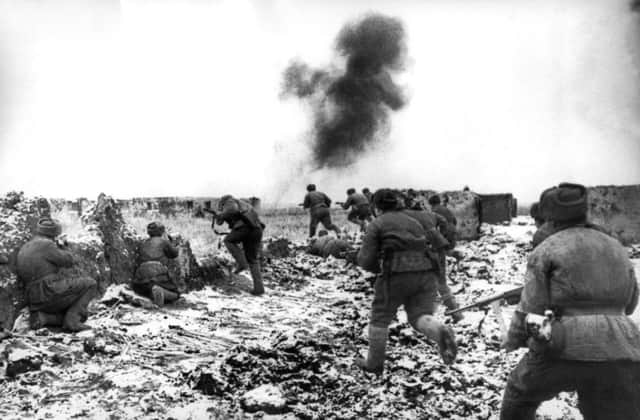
<point x="408" y="278"/>
<point x="579" y="289"/>
<point x="324" y="245"/>
<point x="360" y="210"/>
<point x="246" y="229"/>
<point x="152" y="277"/>
<point x="53" y="299"/>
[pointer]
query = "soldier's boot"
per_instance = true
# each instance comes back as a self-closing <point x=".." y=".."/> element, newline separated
<point x="238" y="255"/>
<point x="39" y="320"/>
<point x="76" y="313"/>
<point x="374" y="362"/>
<point x="451" y="304"/>
<point x="256" y="275"/>
<point x="161" y="295"/>
<point x="441" y="334"/>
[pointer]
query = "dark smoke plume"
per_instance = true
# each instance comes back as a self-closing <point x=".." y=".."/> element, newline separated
<point x="351" y="106"/>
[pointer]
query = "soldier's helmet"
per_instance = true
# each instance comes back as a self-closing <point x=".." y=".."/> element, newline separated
<point x="365" y="190"/>
<point x="155" y="229"/>
<point x="48" y="227"/>
<point x="351" y="191"/>
<point x="434" y="200"/>
<point x="311" y="187"/>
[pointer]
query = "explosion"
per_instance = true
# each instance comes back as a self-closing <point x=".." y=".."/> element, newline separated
<point x="351" y="106"/>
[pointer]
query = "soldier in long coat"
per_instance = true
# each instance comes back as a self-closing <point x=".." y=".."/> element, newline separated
<point x="586" y="279"/>
<point x="54" y="298"/>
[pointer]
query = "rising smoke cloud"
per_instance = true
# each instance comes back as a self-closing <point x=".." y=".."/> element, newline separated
<point x="351" y="101"/>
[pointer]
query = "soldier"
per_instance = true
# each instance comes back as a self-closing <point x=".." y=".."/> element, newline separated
<point x="360" y="212"/>
<point x="152" y="278"/>
<point x="53" y="299"/>
<point x="367" y="193"/>
<point x="318" y="204"/>
<point x="246" y="228"/>
<point x="324" y="245"/>
<point x="584" y="281"/>
<point x="408" y="278"/>
<point x="437" y="230"/>
<point x="446" y="223"/>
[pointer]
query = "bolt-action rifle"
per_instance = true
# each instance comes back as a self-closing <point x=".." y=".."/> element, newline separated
<point x="512" y="297"/>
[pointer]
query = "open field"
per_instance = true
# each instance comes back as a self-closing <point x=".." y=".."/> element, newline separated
<point x="291" y="223"/>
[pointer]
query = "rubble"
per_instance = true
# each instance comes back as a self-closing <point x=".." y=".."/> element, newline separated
<point x="218" y="351"/>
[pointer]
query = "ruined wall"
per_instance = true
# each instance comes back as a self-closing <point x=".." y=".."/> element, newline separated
<point x="496" y="208"/>
<point x="618" y="209"/>
<point x="464" y="205"/>
<point x="105" y="249"/>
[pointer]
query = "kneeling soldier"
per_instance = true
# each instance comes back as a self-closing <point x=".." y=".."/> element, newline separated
<point x="152" y="277"/>
<point x="53" y="299"/>
<point x="408" y="278"/>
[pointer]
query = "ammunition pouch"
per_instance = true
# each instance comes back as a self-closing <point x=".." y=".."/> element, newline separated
<point x="407" y="262"/>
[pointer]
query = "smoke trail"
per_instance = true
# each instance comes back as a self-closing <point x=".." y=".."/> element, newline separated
<point x="351" y="107"/>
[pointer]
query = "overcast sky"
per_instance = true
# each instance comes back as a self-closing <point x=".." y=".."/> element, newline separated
<point x="151" y="98"/>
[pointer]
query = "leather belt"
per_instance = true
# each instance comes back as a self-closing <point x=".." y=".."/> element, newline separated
<point x="594" y="310"/>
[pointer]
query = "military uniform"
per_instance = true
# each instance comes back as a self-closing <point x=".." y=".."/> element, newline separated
<point x="152" y="278"/>
<point x="587" y="279"/>
<point x="408" y="277"/>
<point x="360" y="209"/>
<point x="246" y="229"/>
<point x="53" y="299"/>
<point x="325" y="246"/>
<point x="437" y="229"/>
<point x="318" y="204"/>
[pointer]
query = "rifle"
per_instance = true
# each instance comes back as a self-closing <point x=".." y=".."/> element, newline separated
<point x="512" y="296"/>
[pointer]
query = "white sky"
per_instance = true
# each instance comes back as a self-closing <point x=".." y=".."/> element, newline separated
<point x="148" y="98"/>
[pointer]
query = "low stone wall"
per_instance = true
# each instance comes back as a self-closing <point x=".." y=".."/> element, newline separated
<point x="617" y="208"/>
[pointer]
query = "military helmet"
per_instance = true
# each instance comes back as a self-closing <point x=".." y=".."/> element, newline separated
<point x="434" y="200"/>
<point x="155" y="229"/>
<point x="311" y="187"/>
<point x="48" y="227"/>
<point x="365" y="190"/>
<point x="351" y="191"/>
<point x="564" y="203"/>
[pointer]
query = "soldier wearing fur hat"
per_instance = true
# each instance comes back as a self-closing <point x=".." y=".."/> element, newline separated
<point x="246" y="230"/>
<point x="360" y="212"/>
<point x="581" y="285"/>
<point x="394" y="246"/>
<point x="318" y="204"/>
<point x="152" y="278"/>
<point x="54" y="299"/>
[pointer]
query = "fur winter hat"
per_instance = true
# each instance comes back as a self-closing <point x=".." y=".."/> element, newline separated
<point x="48" y="227"/>
<point x="564" y="203"/>
<point x="155" y="229"/>
<point x="385" y="199"/>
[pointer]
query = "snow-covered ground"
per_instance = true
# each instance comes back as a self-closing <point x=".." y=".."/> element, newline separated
<point x="212" y="354"/>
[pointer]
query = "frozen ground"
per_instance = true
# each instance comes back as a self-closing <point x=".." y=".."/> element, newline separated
<point x="222" y="353"/>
